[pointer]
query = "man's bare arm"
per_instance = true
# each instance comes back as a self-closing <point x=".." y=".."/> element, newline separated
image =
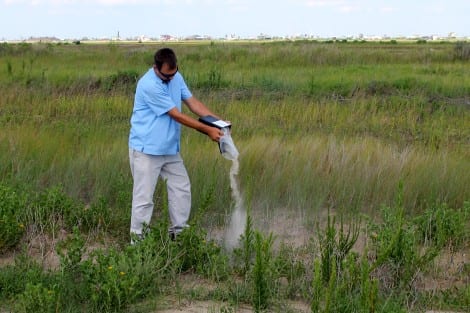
<point x="212" y="132"/>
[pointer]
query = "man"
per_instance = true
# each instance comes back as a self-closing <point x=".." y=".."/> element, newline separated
<point x="154" y="142"/>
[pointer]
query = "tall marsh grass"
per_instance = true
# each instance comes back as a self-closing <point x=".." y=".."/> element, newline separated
<point x="318" y="124"/>
<point x="355" y="174"/>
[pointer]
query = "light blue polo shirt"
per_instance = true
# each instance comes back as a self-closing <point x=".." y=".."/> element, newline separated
<point x="153" y="131"/>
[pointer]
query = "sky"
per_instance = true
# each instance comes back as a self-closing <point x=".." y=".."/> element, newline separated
<point x="78" y="19"/>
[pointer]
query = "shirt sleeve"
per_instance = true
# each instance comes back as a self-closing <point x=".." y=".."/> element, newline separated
<point x="185" y="92"/>
<point x="158" y="100"/>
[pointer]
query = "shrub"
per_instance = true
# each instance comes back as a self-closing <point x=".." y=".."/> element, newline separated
<point x="13" y="278"/>
<point x="442" y="226"/>
<point x="71" y="251"/>
<point x="376" y="87"/>
<point x="125" y="80"/>
<point x="95" y="216"/>
<point x="288" y="264"/>
<point x="11" y="221"/>
<point x="398" y="257"/>
<point x="211" y="80"/>
<point x="15" y="49"/>
<point x="204" y="256"/>
<point x="335" y="245"/>
<point x="52" y="209"/>
<point x="37" y="298"/>
<point x="245" y="252"/>
<point x="262" y="276"/>
<point x="114" y="279"/>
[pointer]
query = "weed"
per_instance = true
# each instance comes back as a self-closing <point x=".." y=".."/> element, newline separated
<point x="211" y="80"/>
<point x="287" y="263"/>
<point x="398" y="256"/>
<point x="94" y="217"/>
<point x="246" y="252"/>
<point x="262" y="275"/>
<point x="442" y="226"/>
<point x="203" y="255"/>
<point x="52" y="209"/>
<point x="317" y="287"/>
<point x="114" y="279"/>
<point x="71" y="251"/>
<point x="126" y="80"/>
<point x="336" y="245"/>
<point x="12" y="224"/>
<point x="13" y="278"/>
<point x="9" y="68"/>
<point x="37" y="298"/>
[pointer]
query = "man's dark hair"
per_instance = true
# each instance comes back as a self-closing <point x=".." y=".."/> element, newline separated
<point x="165" y="55"/>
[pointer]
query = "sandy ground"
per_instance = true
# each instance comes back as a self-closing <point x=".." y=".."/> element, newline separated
<point x="204" y="306"/>
<point x="210" y="307"/>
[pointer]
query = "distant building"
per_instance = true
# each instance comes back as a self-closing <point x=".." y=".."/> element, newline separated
<point x="143" y="38"/>
<point x="168" y="38"/>
<point x="198" y="37"/>
<point x="45" y="39"/>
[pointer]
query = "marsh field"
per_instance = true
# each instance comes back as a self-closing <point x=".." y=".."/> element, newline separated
<point x="354" y="172"/>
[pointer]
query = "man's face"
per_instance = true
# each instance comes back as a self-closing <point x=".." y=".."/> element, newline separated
<point x="165" y="73"/>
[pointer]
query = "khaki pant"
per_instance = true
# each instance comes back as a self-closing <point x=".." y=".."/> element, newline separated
<point x="145" y="171"/>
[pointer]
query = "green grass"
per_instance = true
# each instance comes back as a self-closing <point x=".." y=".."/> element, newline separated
<point x="319" y="126"/>
<point x="377" y="113"/>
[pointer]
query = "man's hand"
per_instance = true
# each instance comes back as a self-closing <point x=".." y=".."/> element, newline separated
<point x="214" y="133"/>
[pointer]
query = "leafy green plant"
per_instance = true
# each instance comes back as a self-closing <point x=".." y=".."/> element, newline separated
<point x="37" y="298"/>
<point x="341" y="280"/>
<point x="317" y="287"/>
<point x="246" y="252"/>
<point x="114" y="279"/>
<point x="212" y="79"/>
<point x="288" y="263"/>
<point x="12" y="226"/>
<point x="52" y="208"/>
<point x="13" y="278"/>
<point x="204" y="256"/>
<point x="71" y="251"/>
<point x="262" y="275"/>
<point x="95" y="216"/>
<point x="442" y="226"/>
<point x="331" y="289"/>
<point x="368" y="286"/>
<point x="398" y="256"/>
<point x="335" y="244"/>
<point x="126" y="80"/>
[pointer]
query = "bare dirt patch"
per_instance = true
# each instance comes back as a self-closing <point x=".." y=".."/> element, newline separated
<point x="203" y="306"/>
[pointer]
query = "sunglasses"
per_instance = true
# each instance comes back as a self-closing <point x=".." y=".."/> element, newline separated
<point x="168" y="76"/>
